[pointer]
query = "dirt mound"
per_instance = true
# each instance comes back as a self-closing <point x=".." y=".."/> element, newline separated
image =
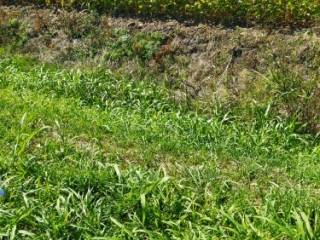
<point x="194" y="60"/>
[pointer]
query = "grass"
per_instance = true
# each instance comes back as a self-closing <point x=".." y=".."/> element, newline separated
<point x="96" y="155"/>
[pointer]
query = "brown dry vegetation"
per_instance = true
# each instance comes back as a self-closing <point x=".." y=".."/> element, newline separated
<point x="202" y="62"/>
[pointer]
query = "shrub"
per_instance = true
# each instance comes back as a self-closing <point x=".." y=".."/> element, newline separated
<point x="284" y="12"/>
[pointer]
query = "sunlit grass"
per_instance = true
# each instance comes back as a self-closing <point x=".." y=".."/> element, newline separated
<point x="91" y="155"/>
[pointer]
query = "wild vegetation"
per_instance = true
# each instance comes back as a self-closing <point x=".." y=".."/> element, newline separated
<point x="110" y="129"/>
<point x="93" y="155"/>
<point x="285" y="12"/>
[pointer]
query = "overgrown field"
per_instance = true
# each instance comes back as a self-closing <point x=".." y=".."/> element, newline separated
<point x="123" y="129"/>
<point x="96" y="155"/>
<point x="296" y="12"/>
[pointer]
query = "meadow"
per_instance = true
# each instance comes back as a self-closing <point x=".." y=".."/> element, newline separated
<point x="94" y="152"/>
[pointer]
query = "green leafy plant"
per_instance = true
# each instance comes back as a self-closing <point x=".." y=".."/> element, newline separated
<point x="140" y="45"/>
<point x="293" y="12"/>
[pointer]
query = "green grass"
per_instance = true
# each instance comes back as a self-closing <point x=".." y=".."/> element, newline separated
<point x="93" y="155"/>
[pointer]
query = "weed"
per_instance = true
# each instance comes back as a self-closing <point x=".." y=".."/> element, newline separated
<point x="297" y="98"/>
<point x="11" y="33"/>
<point x="140" y="45"/>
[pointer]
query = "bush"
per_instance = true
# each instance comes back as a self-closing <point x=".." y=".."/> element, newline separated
<point x="292" y="12"/>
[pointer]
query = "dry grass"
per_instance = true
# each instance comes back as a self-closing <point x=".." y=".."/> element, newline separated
<point x="203" y="63"/>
